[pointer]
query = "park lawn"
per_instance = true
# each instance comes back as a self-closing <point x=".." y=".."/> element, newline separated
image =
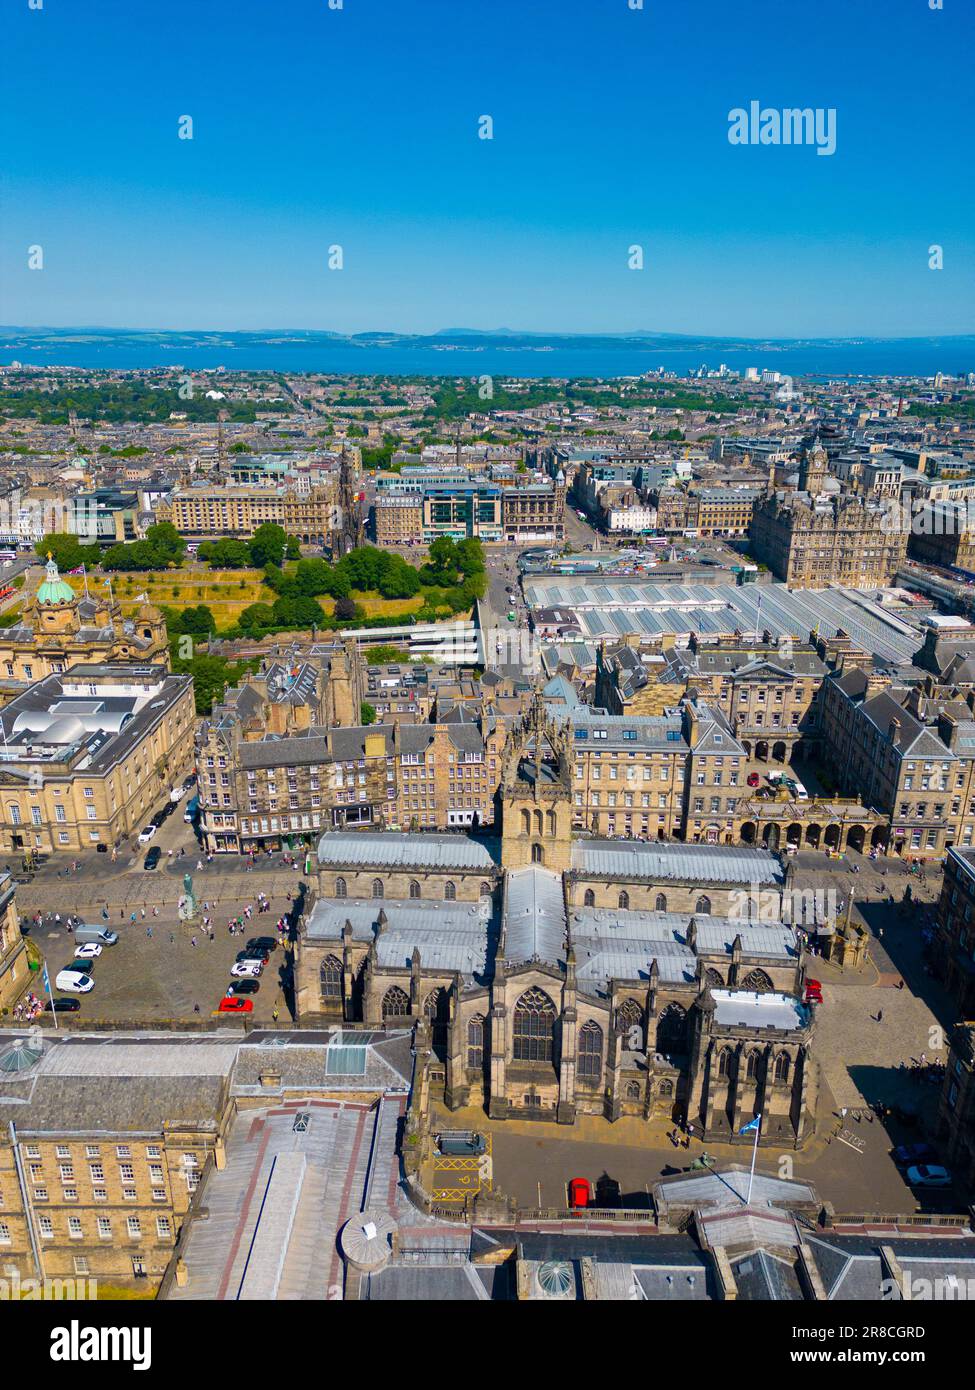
<point x="225" y="592"/>
<point x="378" y="607"/>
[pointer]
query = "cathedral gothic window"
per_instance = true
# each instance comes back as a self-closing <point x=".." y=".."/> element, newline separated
<point x="396" y="1004"/>
<point x="538" y="854"/>
<point x="414" y="889"/>
<point x="449" y="892"/>
<point x="475" y="1043"/>
<point x="378" y="890"/>
<point x="624" y="901"/>
<point x="590" y="1059"/>
<point x="672" y="1030"/>
<point x="757" y="981"/>
<point x="703" y="904"/>
<point x="589" y="900"/>
<point x="782" y="1066"/>
<point x="331" y="978"/>
<point x="341" y="891"/>
<point x="661" y="902"/>
<point x="534" y="1028"/>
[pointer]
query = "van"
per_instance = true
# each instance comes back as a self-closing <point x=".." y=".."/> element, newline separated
<point x="192" y="810"/>
<point x="93" y="934"/>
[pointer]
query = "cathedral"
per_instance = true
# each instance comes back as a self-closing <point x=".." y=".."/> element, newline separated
<point x="552" y="975"/>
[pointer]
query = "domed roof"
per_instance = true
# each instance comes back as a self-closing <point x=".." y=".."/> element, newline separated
<point x="54" y="590"/>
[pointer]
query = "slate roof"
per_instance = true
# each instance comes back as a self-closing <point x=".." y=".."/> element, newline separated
<point x="681" y="863"/>
<point x="388" y="850"/>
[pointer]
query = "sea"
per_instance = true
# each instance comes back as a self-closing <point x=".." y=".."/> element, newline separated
<point x="902" y="358"/>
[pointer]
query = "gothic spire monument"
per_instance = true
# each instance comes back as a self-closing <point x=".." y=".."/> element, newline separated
<point x="536" y="793"/>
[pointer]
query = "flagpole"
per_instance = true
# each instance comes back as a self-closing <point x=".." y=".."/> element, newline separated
<point x="751" y="1175"/>
<point x="50" y="993"/>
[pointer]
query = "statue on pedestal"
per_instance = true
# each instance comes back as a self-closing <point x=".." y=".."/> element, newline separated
<point x="188" y="908"/>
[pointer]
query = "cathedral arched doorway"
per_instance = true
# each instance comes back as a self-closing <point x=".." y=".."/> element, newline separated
<point x="878" y="837"/>
<point x="855" y="838"/>
<point x="770" y="837"/>
<point x="813" y="835"/>
<point x="793" y="836"/>
<point x="672" y="1031"/>
<point x="778" y="752"/>
<point x="831" y="837"/>
<point x="436" y="1010"/>
<point x="748" y="832"/>
<point x="761" y="751"/>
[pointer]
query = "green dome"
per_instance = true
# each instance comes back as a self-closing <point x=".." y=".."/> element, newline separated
<point x="54" y="589"/>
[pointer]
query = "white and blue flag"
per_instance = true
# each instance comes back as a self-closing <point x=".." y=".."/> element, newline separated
<point x="752" y="1124"/>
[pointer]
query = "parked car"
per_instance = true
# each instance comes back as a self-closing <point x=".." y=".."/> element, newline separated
<point x="152" y="858"/>
<point x="753" y="779"/>
<point x="146" y="834"/>
<point x="189" y="782"/>
<point x="75" y="982"/>
<point x="177" y="794"/>
<point x="929" y="1175"/>
<point x="266" y="943"/>
<point x="90" y="931"/>
<point x="230" y="1004"/>
<point x="257" y="953"/>
<point x="580" y="1194"/>
<point x="910" y="1155"/>
<point x="246" y="969"/>
<point x="245" y="987"/>
<point x="813" y="993"/>
<point x="62" y="1006"/>
<point x="87" y="951"/>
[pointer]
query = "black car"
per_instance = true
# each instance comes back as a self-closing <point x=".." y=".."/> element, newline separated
<point x="152" y="858"/>
<point x="244" y="986"/>
<point x="262" y="943"/>
<point x="63" y="1006"/>
<point x="254" y="953"/>
<point x="189" y="782"/>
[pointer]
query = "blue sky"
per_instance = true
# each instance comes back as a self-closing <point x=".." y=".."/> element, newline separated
<point x="358" y="127"/>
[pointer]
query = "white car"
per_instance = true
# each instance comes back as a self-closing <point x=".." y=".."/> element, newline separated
<point x="88" y="951"/>
<point x="246" y="969"/>
<point x="74" y="982"/>
<point x="929" y="1175"/>
<point x="146" y="835"/>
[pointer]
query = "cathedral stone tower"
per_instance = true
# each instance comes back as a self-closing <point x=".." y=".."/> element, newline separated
<point x="536" y="794"/>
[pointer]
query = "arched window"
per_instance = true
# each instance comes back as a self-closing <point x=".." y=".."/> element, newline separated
<point x="782" y="1066"/>
<point x="714" y="979"/>
<point x="414" y="889"/>
<point x="396" y="1004"/>
<point x="757" y="981"/>
<point x="534" y="1027"/>
<point x="378" y="890"/>
<point x="703" y="904"/>
<point x="526" y="822"/>
<point x="331" y="978"/>
<point x="538" y="854"/>
<point x="590" y="1057"/>
<point x="436" y="1008"/>
<point x="624" y="901"/>
<point x="661" y="902"/>
<point x="341" y="891"/>
<point x="449" y="891"/>
<point x="672" y="1030"/>
<point x="752" y="1066"/>
<point x="629" y="1020"/>
<point x="475" y="1043"/>
<point x="551" y="822"/>
<point x="538" y="822"/>
<point x="725" y="1059"/>
<point x="633" y="1090"/>
<point x="666" y="1087"/>
<point x="485" y="890"/>
<point x="589" y="898"/>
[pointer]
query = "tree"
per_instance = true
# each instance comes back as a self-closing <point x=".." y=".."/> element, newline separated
<point x="68" y="552"/>
<point x="256" y="619"/>
<point x="345" y="609"/>
<point x="384" y="654"/>
<point x="268" y="545"/>
<point x="367" y="713"/>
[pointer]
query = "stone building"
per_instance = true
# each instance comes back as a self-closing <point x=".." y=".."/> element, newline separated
<point x="817" y="536"/>
<point x="87" y="755"/>
<point x="956" y="1108"/>
<point x="13" y="948"/>
<point x="58" y="629"/>
<point x="954" y="950"/>
<point x="554" y="976"/>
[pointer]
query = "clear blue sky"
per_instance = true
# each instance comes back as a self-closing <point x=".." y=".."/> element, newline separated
<point x="359" y="127"/>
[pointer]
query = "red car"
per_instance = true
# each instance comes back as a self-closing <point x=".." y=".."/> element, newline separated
<point x="580" y="1194"/>
<point x="753" y="779"/>
<point x="814" y="992"/>
<point x="233" y="1004"/>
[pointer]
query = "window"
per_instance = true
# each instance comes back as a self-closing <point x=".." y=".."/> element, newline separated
<point x="46" y="1227"/>
<point x="534" y="1027"/>
<point x="449" y="892"/>
<point x="414" y="889"/>
<point x="4" y="1233"/>
<point x="105" y="1228"/>
<point x="538" y="854"/>
<point x="341" y="891"/>
<point x="163" y="1228"/>
<point x="123" y="1151"/>
<point x="396" y="1004"/>
<point x="624" y="901"/>
<point x="660" y="904"/>
<point x="331" y="978"/>
<point x="590" y="1058"/>
<point x="74" y="1227"/>
<point x="703" y="904"/>
<point x="589" y="898"/>
<point x="782" y="1064"/>
<point x="134" y="1227"/>
<point x="378" y="890"/>
<point x="475" y="1043"/>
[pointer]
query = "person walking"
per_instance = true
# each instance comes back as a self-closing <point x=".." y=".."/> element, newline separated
<point x="274" y="1014"/>
<point x="880" y="1015"/>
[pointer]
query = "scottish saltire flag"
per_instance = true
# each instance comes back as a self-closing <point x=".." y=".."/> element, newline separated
<point x="47" y="979"/>
<point x="752" y="1124"/>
